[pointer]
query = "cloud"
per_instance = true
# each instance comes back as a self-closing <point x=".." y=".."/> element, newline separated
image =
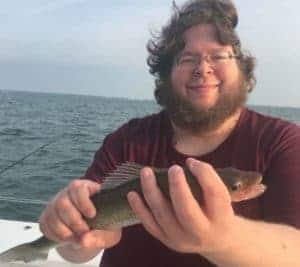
<point x="78" y="36"/>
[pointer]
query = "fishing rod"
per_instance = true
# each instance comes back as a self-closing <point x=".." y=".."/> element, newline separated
<point x="27" y="156"/>
<point x="23" y="200"/>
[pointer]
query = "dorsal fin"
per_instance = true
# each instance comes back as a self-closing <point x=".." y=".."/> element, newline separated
<point x="123" y="173"/>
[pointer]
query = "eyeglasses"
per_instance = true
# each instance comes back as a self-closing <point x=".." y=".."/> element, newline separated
<point x="215" y="60"/>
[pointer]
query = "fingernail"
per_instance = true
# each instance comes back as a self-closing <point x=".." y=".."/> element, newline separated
<point x="146" y="172"/>
<point x="174" y="170"/>
<point x="131" y="196"/>
<point x="175" y="174"/>
<point x="147" y="177"/>
<point x="192" y="162"/>
<point x="98" y="187"/>
<point x="91" y="213"/>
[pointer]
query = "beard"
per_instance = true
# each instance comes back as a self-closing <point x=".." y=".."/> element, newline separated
<point x="199" y="120"/>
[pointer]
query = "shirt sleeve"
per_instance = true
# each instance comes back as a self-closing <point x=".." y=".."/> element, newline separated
<point x="281" y="201"/>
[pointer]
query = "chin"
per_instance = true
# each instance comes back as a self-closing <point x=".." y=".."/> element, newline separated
<point x="203" y="104"/>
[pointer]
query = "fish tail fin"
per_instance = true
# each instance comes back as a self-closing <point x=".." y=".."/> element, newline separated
<point x="33" y="251"/>
<point x="24" y="253"/>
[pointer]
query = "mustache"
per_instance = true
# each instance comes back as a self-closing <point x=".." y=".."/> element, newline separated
<point x="199" y="119"/>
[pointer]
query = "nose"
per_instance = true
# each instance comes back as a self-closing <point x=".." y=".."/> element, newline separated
<point x="203" y="68"/>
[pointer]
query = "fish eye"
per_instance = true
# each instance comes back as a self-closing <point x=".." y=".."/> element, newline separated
<point x="236" y="186"/>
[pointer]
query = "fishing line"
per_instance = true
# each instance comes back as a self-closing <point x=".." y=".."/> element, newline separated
<point x="27" y="156"/>
<point x="23" y="200"/>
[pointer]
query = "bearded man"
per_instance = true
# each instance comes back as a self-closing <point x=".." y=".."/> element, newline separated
<point x="202" y="81"/>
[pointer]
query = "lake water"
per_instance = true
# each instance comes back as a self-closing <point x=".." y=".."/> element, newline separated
<point x="71" y="128"/>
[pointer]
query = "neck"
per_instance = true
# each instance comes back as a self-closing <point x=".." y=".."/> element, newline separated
<point x="197" y="144"/>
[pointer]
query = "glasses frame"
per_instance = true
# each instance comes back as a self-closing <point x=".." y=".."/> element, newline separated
<point x="209" y="58"/>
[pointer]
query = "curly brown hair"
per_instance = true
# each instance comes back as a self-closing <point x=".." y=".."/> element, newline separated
<point x="164" y="47"/>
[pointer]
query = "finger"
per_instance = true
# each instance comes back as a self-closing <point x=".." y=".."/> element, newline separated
<point x="62" y="235"/>
<point x="55" y="229"/>
<point x="51" y="226"/>
<point x="70" y="216"/>
<point x="80" y="193"/>
<point x="144" y="215"/>
<point x="216" y="196"/>
<point x="159" y="206"/>
<point x="44" y="229"/>
<point x="187" y="209"/>
<point x="48" y="233"/>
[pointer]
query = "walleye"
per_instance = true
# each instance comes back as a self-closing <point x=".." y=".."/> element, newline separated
<point x="113" y="210"/>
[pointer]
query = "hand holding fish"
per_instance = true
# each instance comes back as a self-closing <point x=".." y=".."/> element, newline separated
<point x="182" y="217"/>
<point x="62" y="220"/>
<point x="185" y="225"/>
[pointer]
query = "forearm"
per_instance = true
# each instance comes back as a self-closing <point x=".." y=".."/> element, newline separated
<point x="261" y="244"/>
<point x="77" y="255"/>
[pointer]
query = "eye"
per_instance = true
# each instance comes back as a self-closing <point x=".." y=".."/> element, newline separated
<point x="188" y="60"/>
<point x="236" y="186"/>
<point x="219" y="56"/>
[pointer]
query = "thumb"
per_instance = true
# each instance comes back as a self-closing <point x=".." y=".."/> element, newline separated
<point x="100" y="239"/>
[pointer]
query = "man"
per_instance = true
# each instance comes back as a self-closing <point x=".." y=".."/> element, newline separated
<point x="203" y="79"/>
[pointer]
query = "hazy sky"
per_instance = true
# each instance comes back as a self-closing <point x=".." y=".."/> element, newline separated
<point x="98" y="47"/>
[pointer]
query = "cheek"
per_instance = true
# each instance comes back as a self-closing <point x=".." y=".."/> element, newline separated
<point x="178" y="80"/>
<point x="230" y="77"/>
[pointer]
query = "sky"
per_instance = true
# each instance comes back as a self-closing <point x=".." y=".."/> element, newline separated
<point x="99" y="47"/>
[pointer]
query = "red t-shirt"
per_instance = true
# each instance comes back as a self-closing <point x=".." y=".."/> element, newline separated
<point x="258" y="143"/>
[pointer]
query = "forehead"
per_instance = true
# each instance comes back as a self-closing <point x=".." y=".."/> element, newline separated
<point x="204" y="37"/>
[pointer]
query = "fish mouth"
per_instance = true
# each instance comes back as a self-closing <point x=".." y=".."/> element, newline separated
<point x="257" y="190"/>
<point x="253" y="192"/>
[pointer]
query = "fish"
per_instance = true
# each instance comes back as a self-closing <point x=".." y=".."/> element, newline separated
<point x="114" y="211"/>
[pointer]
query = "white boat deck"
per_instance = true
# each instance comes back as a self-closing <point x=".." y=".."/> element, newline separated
<point x="13" y="233"/>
